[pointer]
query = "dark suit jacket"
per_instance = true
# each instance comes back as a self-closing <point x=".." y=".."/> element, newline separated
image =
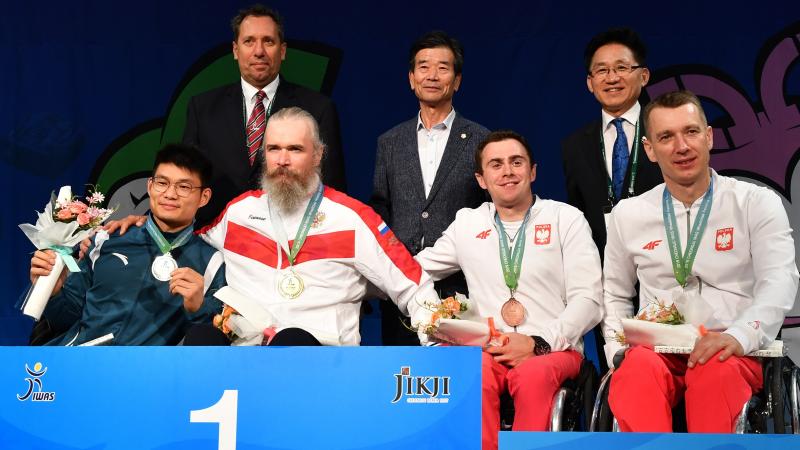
<point x="215" y="123"/>
<point x="586" y="175"/>
<point x="399" y="194"/>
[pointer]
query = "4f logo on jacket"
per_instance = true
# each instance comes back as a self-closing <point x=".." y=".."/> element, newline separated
<point x="542" y="234"/>
<point x="724" y="240"/>
<point x="651" y="245"/>
<point x="483" y="234"/>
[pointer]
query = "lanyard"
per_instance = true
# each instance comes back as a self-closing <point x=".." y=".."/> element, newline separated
<point x="161" y="241"/>
<point x="634" y="164"/>
<point x="302" y="230"/>
<point x="682" y="264"/>
<point x="511" y="260"/>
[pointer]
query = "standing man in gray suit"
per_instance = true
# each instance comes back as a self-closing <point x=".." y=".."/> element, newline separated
<point x="424" y="169"/>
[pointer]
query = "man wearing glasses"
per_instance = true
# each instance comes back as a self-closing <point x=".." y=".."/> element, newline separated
<point x="604" y="161"/>
<point x="148" y="286"/>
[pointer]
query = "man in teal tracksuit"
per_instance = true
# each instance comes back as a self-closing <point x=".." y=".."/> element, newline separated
<point x="148" y="286"/>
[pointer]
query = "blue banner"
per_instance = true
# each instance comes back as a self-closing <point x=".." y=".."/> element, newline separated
<point x="243" y="398"/>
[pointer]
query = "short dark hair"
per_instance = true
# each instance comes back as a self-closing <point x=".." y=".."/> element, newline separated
<point x="671" y="100"/>
<point x="497" y="136"/>
<point x="622" y="36"/>
<point x="434" y="39"/>
<point x="257" y="10"/>
<point x="186" y="157"/>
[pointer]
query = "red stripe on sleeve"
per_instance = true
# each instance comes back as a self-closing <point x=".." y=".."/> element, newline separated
<point x="392" y="246"/>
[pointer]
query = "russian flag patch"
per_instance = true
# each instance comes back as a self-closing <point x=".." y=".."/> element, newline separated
<point x="383" y="228"/>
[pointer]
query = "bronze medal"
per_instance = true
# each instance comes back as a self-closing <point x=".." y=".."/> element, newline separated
<point x="513" y="312"/>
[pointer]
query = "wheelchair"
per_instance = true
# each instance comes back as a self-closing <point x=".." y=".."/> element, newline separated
<point x="572" y="403"/>
<point x="774" y="409"/>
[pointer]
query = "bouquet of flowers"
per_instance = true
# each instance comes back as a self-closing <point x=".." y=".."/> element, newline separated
<point x="657" y="311"/>
<point x="657" y="324"/>
<point x="448" y="308"/>
<point x="65" y="222"/>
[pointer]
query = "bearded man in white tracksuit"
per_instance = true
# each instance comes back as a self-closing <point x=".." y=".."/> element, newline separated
<point x="542" y="309"/>
<point x="721" y="244"/>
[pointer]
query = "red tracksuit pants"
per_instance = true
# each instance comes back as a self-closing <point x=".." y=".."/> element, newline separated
<point x="531" y="384"/>
<point x="648" y="385"/>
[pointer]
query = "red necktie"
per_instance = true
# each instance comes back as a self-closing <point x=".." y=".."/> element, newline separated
<point x="255" y="127"/>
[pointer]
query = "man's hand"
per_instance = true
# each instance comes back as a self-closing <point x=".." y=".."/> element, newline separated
<point x="707" y="346"/>
<point x="189" y="284"/>
<point x="42" y="264"/>
<point x="517" y="349"/>
<point x="123" y="224"/>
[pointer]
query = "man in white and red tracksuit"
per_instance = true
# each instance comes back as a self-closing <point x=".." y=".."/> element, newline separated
<point x="304" y="251"/>
<point x="554" y="278"/>
<point x="717" y="241"/>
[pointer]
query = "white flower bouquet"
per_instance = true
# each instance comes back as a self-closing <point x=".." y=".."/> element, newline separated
<point x="65" y="222"/>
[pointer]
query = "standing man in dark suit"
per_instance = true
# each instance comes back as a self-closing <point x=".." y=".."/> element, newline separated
<point x="601" y="164"/>
<point x="424" y="169"/>
<point x="604" y="161"/>
<point x="228" y="123"/>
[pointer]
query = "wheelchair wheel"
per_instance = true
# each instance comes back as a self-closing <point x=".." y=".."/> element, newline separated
<point x="778" y="395"/>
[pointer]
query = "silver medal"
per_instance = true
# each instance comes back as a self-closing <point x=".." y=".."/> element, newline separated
<point x="163" y="266"/>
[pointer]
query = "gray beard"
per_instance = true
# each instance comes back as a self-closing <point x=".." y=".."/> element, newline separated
<point x="289" y="195"/>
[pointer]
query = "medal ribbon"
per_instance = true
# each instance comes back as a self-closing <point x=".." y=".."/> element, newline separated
<point x="682" y="264"/>
<point x="302" y="230"/>
<point x="511" y="260"/>
<point x="634" y="163"/>
<point x="161" y="241"/>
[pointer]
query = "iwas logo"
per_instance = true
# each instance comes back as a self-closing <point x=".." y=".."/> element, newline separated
<point x="420" y="389"/>
<point x="34" y="380"/>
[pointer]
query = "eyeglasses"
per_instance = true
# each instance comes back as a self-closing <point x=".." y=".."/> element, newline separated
<point x="619" y="69"/>
<point x="182" y="188"/>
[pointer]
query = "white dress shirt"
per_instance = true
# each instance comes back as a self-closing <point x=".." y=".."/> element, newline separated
<point x="631" y="116"/>
<point x="431" y="144"/>
<point x="249" y="92"/>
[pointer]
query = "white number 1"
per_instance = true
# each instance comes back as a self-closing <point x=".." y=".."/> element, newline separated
<point x="224" y="413"/>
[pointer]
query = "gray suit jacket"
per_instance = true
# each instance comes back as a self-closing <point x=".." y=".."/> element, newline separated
<point x="399" y="195"/>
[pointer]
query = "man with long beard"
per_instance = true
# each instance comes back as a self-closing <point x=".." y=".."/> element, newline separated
<point x="304" y="251"/>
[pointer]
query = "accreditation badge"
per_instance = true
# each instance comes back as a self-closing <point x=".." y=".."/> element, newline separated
<point x="513" y="312"/>
<point x="163" y="266"/>
<point x="290" y="285"/>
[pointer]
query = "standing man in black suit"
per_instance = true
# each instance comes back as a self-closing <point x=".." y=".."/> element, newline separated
<point x="604" y="161"/>
<point x="228" y="123"/>
<point x="616" y="71"/>
<point x="425" y="169"/>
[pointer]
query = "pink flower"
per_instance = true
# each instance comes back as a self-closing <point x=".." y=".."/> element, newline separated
<point x="64" y="214"/>
<point x="83" y="219"/>
<point x="77" y="207"/>
<point x="95" y="198"/>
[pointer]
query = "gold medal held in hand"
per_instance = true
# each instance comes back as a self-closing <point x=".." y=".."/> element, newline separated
<point x="513" y="312"/>
<point x="291" y="285"/>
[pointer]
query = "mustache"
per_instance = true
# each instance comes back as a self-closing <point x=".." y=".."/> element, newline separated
<point x="283" y="171"/>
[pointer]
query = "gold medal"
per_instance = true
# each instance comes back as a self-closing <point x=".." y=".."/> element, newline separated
<point x="291" y="285"/>
<point x="513" y="312"/>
